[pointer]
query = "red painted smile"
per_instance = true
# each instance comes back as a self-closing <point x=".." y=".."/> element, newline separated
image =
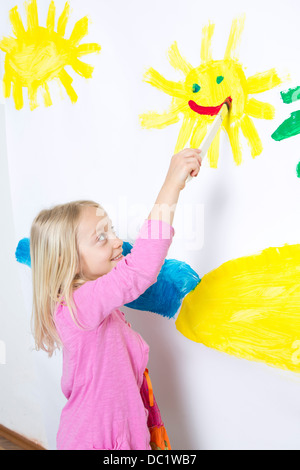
<point x="208" y="110"/>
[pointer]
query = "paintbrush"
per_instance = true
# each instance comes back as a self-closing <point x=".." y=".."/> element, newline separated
<point x="215" y="126"/>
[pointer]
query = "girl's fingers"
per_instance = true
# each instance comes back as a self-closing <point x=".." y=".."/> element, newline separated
<point x="195" y="154"/>
<point x="192" y="160"/>
<point x="189" y="159"/>
<point x="193" y="167"/>
<point x="190" y="152"/>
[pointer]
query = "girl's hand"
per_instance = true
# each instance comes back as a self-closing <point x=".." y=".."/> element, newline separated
<point x="184" y="163"/>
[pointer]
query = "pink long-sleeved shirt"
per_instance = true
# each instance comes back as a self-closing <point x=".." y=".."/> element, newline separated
<point x="103" y="364"/>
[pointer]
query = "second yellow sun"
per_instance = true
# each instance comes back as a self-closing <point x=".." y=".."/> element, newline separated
<point x="198" y="97"/>
<point x="39" y="54"/>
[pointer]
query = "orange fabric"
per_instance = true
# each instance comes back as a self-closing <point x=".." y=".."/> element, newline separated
<point x="159" y="438"/>
<point x="150" y="387"/>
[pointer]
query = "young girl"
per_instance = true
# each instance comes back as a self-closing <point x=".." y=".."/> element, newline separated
<point x="80" y="280"/>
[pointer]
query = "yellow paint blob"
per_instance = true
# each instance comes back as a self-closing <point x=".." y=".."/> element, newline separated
<point x="208" y="86"/>
<point x="37" y="55"/>
<point x="250" y="308"/>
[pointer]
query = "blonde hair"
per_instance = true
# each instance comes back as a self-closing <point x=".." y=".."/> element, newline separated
<point x="56" y="270"/>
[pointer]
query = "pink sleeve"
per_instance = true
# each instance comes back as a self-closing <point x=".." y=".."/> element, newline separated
<point x="132" y="276"/>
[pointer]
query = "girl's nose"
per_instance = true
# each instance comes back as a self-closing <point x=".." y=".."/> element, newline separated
<point x="117" y="242"/>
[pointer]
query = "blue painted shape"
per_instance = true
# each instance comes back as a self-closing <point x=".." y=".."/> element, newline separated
<point x="23" y="252"/>
<point x="175" y="280"/>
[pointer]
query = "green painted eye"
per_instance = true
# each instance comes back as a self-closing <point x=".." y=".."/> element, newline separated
<point x="196" y="88"/>
<point x="219" y="79"/>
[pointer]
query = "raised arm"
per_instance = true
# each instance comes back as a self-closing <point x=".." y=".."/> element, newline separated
<point x="137" y="271"/>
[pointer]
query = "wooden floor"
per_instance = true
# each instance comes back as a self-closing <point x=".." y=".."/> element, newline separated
<point x="7" y="445"/>
<point x="11" y="440"/>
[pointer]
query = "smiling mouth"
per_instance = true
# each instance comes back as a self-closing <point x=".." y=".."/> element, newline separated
<point x="117" y="257"/>
<point x="208" y="110"/>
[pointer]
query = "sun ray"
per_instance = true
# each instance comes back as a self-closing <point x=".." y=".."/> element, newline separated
<point x="63" y="20"/>
<point x="198" y="135"/>
<point x="177" y="61"/>
<point x="233" y="134"/>
<point x="158" y="121"/>
<point x="66" y="80"/>
<point x="251" y="136"/>
<point x="16" y="21"/>
<point x="185" y="132"/>
<point x="46" y="95"/>
<point x="206" y="42"/>
<point x="32" y="15"/>
<point x="83" y="69"/>
<point x="259" y="110"/>
<point x="263" y="81"/>
<point x="213" y="151"/>
<point x="51" y="17"/>
<point x="8" y="44"/>
<point x="79" y="31"/>
<point x="171" y="88"/>
<point x="234" y="38"/>
<point x="84" y="49"/>
<point x="32" y="95"/>
<point x="18" y="95"/>
<point x="6" y="85"/>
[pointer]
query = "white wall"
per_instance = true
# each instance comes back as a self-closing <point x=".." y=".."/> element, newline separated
<point x="97" y="150"/>
<point x="19" y="390"/>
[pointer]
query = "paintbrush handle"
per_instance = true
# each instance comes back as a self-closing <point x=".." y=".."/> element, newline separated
<point x="211" y="134"/>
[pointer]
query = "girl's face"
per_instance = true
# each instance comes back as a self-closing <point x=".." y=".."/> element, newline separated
<point x="98" y="243"/>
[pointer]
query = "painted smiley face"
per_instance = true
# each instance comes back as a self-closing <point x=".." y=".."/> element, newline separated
<point x="208" y="86"/>
<point x="199" y="97"/>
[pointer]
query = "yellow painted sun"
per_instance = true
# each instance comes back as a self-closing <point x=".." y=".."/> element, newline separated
<point x="205" y="88"/>
<point x="37" y="55"/>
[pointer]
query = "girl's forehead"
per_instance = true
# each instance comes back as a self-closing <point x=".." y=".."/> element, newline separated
<point x="93" y="214"/>
<point x="91" y="218"/>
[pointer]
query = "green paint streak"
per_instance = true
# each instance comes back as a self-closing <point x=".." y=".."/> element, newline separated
<point x="220" y="79"/>
<point x="298" y="170"/>
<point x="293" y="94"/>
<point x="288" y="128"/>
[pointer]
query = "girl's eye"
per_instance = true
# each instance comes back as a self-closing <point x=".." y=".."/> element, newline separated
<point x="196" y="88"/>
<point x="100" y="239"/>
<point x="219" y="79"/>
<point x="103" y="236"/>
